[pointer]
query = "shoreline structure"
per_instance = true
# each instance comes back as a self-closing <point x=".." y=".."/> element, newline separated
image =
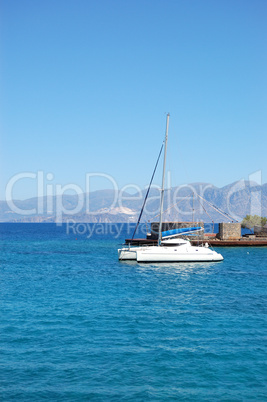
<point x="229" y="235"/>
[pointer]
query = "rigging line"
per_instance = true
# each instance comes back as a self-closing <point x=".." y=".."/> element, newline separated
<point x="173" y="205"/>
<point x="141" y="212"/>
<point x="206" y="212"/>
<point x="213" y="206"/>
<point x="207" y="240"/>
<point x="222" y="212"/>
<point x="218" y="209"/>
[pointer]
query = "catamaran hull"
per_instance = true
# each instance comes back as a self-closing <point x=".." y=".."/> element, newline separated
<point x="167" y="255"/>
<point x="127" y="254"/>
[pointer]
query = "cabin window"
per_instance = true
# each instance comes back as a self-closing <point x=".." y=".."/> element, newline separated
<point x="176" y="245"/>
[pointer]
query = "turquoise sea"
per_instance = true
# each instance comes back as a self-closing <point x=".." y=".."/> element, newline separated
<point x="78" y="325"/>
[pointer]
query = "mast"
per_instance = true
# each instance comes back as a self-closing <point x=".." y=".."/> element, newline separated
<point x="163" y="181"/>
<point x="193" y="206"/>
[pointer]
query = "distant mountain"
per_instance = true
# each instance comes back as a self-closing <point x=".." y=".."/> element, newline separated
<point x="184" y="203"/>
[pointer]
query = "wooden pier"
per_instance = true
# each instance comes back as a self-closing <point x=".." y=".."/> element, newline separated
<point x="229" y="235"/>
<point x="243" y="242"/>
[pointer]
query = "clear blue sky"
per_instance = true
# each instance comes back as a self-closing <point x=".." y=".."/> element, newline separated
<point x="86" y="85"/>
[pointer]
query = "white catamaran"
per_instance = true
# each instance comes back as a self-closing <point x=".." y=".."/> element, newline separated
<point x="169" y="248"/>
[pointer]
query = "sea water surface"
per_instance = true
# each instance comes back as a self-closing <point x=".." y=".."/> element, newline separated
<point x="78" y="325"/>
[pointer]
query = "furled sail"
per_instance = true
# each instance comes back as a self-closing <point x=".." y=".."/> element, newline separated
<point x="174" y="232"/>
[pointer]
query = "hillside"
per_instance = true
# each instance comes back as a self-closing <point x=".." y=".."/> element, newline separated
<point x="236" y="200"/>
